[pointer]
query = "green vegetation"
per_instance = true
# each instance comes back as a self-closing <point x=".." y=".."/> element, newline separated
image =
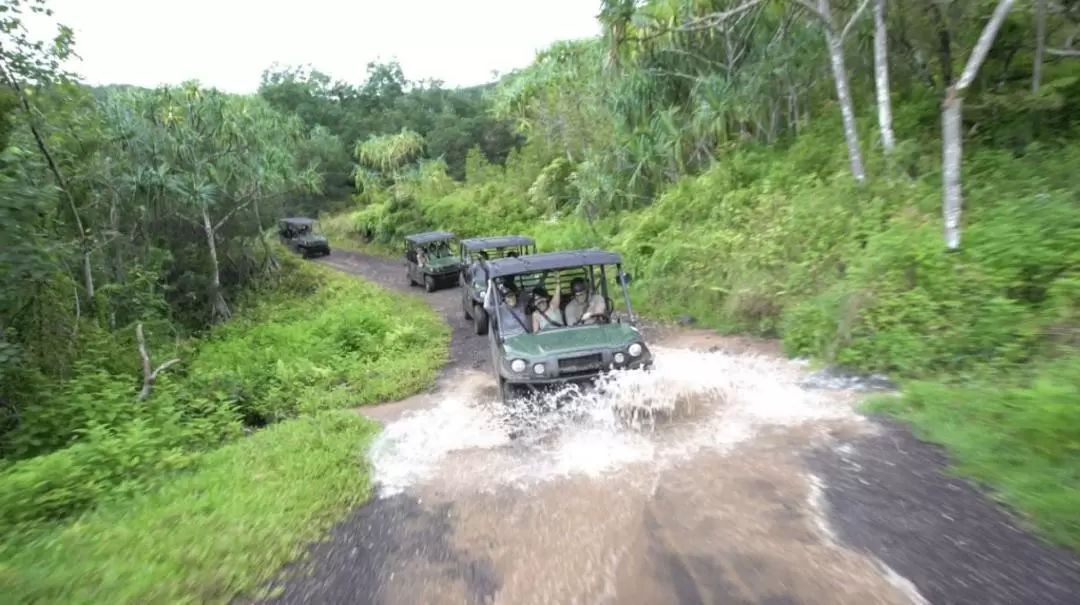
<point x="1021" y="440"/>
<point x="151" y="483"/>
<point x="149" y="325"/>
<point x="249" y="508"/>
<point x="721" y="165"/>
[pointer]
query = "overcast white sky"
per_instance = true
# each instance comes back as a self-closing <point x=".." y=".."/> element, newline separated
<point x="228" y="43"/>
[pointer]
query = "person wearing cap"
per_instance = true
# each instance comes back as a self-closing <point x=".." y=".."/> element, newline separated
<point x="547" y="314"/>
<point x="583" y="308"/>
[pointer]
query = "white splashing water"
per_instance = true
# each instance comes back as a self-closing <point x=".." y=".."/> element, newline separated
<point x="690" y="401"/>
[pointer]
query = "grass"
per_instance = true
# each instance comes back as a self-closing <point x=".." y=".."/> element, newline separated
<point x="341" y="230"/>
<point x="1022" y="441"/>
<point x="207" y="536"/>
<point x="308" y="345"/>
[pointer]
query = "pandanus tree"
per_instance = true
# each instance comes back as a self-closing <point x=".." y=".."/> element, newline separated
<point x="207" y="159"/>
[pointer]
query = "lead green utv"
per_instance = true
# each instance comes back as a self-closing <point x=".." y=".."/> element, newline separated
<point x="577" y="351"/>
<point x="430" y="260"/>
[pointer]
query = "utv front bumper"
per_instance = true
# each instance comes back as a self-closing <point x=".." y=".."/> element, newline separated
<point x="576" y="368"/>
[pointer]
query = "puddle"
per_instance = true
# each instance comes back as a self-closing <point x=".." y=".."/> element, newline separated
<point x="690" y="401"/>
<point x="683" y="484"/>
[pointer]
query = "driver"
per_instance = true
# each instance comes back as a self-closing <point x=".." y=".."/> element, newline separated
<point x="583" y="308"/>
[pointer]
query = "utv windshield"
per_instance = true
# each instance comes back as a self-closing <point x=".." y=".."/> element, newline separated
<point x="561" y="300"/>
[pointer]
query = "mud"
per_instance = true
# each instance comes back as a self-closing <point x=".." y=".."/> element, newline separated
<point x="748" y="479"/>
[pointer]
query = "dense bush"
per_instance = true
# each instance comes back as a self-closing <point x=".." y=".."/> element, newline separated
<point x="1022" y="440"/>
<point x="223" y="529"/>
<point x="311" y="340"/>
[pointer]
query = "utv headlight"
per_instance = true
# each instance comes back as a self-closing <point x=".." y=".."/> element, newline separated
<point x="538" y="369"/>
<point x="518" y="365"/>
<point x="620" y="358"/>
<point x="635" y="349"/>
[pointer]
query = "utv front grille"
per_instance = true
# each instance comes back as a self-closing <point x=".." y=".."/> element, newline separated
<point x="578" y="364"/>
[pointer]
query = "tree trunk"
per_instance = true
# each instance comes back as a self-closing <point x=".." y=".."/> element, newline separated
<point x="847" y="106"/>
<point x="271" y="262"/>
<point x="952" y="153"/>
<point x="1040" y="45"/>
<point x="881" y="77"/>
<point x="217" y="301"/>
<point x="951" y="119"/>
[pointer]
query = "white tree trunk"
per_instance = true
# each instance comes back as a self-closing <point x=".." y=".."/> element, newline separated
<point x="952" y="153"/>
<point x="220" y="307"/>
<point x="847" y="106"/>
<point x="881" y="77"/>
<point x="951" y="119"/>
<point x="1040" y="45"/>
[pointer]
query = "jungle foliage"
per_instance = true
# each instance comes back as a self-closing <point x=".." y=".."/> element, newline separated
<point x="148" y="323"/>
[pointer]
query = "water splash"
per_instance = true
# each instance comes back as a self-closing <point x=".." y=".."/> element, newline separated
<point x="690" y="401"/>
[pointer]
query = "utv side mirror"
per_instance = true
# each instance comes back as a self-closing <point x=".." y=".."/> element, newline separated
<point x="627" y="278"/>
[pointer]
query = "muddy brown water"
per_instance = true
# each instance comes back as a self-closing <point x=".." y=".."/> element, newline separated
<point x="700" y="482"/>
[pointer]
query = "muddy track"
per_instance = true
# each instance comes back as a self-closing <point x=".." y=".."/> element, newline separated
<point x="742" y="497"/>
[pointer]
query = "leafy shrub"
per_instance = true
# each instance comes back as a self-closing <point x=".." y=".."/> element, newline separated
<point x="1022" y="441"/>
<point x="312" y="340"/>
<point x="250" y="507"/>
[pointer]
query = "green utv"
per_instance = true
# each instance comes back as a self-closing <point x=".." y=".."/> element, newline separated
<point x="302" y="235"/>
<point x="473" y="253"/>
<point x="429" y="260"/>
<point x="581" y="335"/>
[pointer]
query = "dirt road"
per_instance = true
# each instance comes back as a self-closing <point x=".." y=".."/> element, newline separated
<point x="753" y="481"/>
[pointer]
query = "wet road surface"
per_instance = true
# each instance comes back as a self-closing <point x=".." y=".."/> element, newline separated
<point x="750" y="481"/>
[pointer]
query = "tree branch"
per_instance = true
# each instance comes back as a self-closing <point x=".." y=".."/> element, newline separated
<point x="230" y="213"/>
<point x="853" y="19"/>
<point x="982" y="47"/>
<point x="1063" y="52"/>
<point x="149" y="376"/>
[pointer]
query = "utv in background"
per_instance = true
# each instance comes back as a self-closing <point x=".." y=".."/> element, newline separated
<point x="302" y="235"/>
<point x="474" y="281"/>
<point x="442" y="267"/>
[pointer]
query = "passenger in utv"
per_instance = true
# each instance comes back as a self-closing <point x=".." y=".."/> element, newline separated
<point x="511" y="312"/>
<point x="477" y="269"/>
<point x="546" y="314"/>
<point x="583" y="308"/>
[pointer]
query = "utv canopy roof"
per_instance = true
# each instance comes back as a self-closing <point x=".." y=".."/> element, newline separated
<point x="502" y="241"/>
<point x="551" y="261"/>
<point x="298" y="220"/>
<point x="426" y="238"/>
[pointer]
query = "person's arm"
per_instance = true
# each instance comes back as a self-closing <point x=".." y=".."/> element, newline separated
<point x="556" y="301"/>
<point x="595" y="308"/>
<point x="535" y="322"/>
<point x="489" y="297"/>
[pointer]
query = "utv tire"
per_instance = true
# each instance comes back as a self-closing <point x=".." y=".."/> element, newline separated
<point x="429" y="283"/>
<point x="510" y="393"/>
<point x="480" y="321"/>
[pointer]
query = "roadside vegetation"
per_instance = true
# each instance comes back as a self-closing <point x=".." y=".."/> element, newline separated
<point x="806" y="171"/>
<point x="175" y="387"/>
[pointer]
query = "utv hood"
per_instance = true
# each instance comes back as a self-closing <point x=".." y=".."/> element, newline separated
<point x="443" y="263"/>
<point x="561" y="342"/>
<point x="312" y="239"/>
